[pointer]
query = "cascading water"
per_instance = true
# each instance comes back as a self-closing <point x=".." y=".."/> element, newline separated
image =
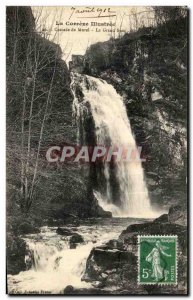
<point x="112" y="127"/>
<point x="55" y="265"/>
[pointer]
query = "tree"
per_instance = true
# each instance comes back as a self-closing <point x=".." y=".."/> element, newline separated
<point x="30" y="56"/>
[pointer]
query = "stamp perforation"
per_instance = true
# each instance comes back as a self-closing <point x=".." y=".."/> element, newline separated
<point x="176" y="259"/>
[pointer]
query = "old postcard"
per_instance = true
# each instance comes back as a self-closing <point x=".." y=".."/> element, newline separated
<point x="97" y="101"/>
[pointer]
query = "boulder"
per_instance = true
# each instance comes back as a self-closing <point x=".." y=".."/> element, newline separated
<point x="103" y="263"/>
<point x="103" y="214"/>
<point x="113" y="268"/>
<point x="162" y="219"/>
<point x="68" y="289"/>
<point x="76" y="239"/>
<point x="98" y="211"/>
<point x="64" y="231"/>
<point x="115" y="244"/>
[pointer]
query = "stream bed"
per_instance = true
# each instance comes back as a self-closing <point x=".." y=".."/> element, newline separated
<point x="57" y="265"/>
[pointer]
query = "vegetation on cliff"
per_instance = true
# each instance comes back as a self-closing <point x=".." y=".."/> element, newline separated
<point x="39" y="114"/>
<point x="149" y="69"/>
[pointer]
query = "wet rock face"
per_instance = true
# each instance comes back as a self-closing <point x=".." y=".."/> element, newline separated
<point x="76" y="239"/>
<point x="77" y="63"/>
<point x="16" y="251"/>
<point x="140" y="67"/>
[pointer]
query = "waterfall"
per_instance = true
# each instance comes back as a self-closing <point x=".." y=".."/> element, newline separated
<point x="54" y="264"/>
<point x="123" y="191"/>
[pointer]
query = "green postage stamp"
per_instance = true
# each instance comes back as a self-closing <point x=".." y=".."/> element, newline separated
<point x="157" y="259"/>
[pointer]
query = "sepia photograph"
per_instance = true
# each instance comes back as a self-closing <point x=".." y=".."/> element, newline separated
<point x="96" y="150"/>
